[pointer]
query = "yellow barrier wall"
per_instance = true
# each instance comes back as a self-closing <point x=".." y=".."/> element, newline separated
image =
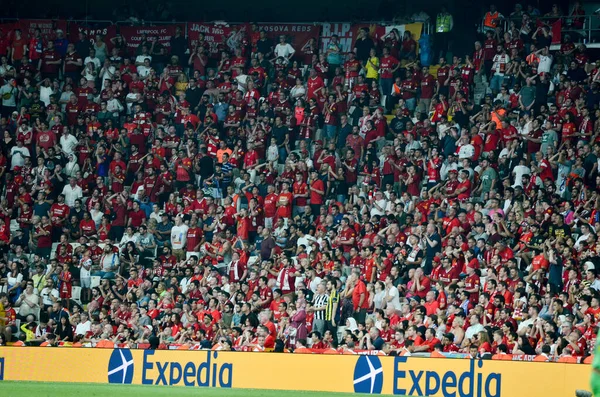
<point x="346" y="373"/>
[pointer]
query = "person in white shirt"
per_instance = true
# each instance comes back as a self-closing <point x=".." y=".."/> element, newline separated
<point x="72" y="167"/>
<point x="379" y="204"/>
<point x="68" y="142"/>
<point x="109" y="263"/>
<point x="466" y="151"/>
<point x="28" y="302"/>
<point x="474" y="328"/>
<point x="18" y="154"/>
<point x="585" y="234"/>
<point x="6" y="70"/>
<point x="392" y="295"/>
<point x="518" y="173"/>
<point x="127" y="237"/>
<point x="113" y="105"/>
<point x="186" y="281"/>
<point x="72" y="192"/>
<point x="65" y="97"/>
<point x="140" y="59"/>
<point x="144" y="70"/>
<point x="179" y="238"/>
<point x="545" y="62"/>
<point x="49" y="294"/>
<point x="107" y="72"/>
<point x="46" y="91"/>
<point x="499" y="66"/>
<point x="84" y="325"/>
<point x="93" y="59"/>
<point x="284" y="49"/>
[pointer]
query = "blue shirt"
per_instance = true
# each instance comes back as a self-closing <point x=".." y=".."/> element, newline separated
<point x="220" y="110"/>
<point x="61" y="46"/>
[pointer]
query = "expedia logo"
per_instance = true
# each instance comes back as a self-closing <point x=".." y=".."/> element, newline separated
<point x="368" y="375"/>
<point x="120" y="367"/>
<point x="207" y="372"/>
<point x="471" y="383"/>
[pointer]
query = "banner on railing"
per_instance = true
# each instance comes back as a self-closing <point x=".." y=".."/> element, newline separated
<point x="134" y="35"/>
<point x="28" y="26"/>
<point x="48" y="28"/>
<point x="215" y="36"/>
<point x="107" y="31"/>
<point x="348" y="33"/>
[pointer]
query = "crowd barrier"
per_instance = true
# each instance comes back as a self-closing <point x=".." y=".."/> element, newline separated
<point x="307" y="372"/>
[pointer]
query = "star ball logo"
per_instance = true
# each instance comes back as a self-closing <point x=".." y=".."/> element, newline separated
<point x="368" y="375"/>
<point x="120" y="367"/>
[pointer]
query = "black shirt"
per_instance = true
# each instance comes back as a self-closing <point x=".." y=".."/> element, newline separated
<point x="82" y="48"/>
<point x="193" y="95"/>
<point x="178" y="45"/>
<point x="363" y="48"/>
<point x="279" y="134"/>
<point x="265" y="46"/>
<point x="207" y="167"/>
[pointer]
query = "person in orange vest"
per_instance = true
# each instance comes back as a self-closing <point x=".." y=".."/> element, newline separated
<point x="567" y="357"/>
<point x="544" y="356"/>
<point x="438" y="351"/>
<point x="491" y="19"/>
<point x="502" y="353"/>
<point x="301" y="347"/>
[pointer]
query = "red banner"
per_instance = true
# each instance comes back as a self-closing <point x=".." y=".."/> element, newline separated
<point x="215" y="35"/>
<point x="297" y="34"/>
<point x="47" y="27"/>
<point x="107" y="32"/>
<point x="556" y="32"/>
<point x="28" y="26"/>
<point x="133" y="35"/>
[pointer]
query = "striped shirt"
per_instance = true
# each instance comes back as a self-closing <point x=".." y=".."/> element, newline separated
<point x="226" y="169"/>
<point x="320" y="301"/>
<point x="332" y="299"/>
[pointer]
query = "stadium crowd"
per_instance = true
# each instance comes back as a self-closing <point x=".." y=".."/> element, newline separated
<point x="325" y="202"/>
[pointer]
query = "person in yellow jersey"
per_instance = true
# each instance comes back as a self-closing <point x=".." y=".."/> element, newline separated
<point x="372" y="67"/>
<point x="443" y="26"/>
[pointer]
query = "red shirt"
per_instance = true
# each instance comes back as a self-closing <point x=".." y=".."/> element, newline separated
<point x="386" y="64"/>
<point x="137" y="217"/>
<point x="314" y="84"/>
<point x="285" y="211"/>
<point x="470" y="283"/>
<point x="360" y="289"/>
<point x="427" y="87"/>
<point x="88" y="227"/>
<point x="270" y="205"/>
<point x="300" y="188"/>
<point x="347" y="235"/>
<point x="317" y="198"/>
<point x="194" y="236"/>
